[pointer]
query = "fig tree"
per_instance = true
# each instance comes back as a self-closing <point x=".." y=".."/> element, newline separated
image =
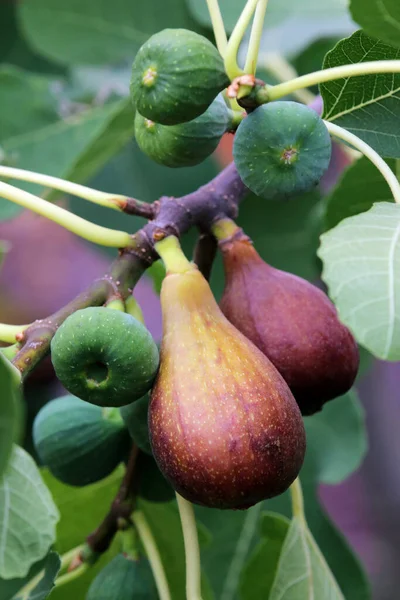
<point x="124" y="578"/>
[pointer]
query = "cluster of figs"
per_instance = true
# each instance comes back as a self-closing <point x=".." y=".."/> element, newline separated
<point x="217" y="414"/>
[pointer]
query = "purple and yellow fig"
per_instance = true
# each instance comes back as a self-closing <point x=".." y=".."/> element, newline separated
<point x="224" y="427"/>
<point x="292" y="322"/>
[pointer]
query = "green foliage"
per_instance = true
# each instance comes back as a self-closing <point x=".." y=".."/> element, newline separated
<point x="152" y="485"/>
<point x="10" y="409"/>
<point x="186" y="144"/>
<point x="365" y="105"/>
<point x="379" y="18"/>
<point x="80" y="443"/>
<point x="28" y="516"/>
<point x="359" y="187"/>
<point x="104" y="356"/>
<point x="135" y="418"/>
<point x="44" y="587"/>
<point x="124" y="579"/>
<point x="281" y="149"/>
<point x="360" y="257"/>
<point x="176" y="75"/>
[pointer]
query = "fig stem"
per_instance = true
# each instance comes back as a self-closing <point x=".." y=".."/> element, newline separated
<point x="8" y="333"/>
<point x="132" y="308"/>
<point x="231" y="66"/>
<point x="85" y="229"/>
<point x="278" y="66"/>
<point x="152" y="553"/>
<point x="192" y="549"/>
<point x="223" y="229"/>
<point x="10" y="352"/>
<point x="255" y="38"/>
<point x="115" y="304"/>
<point x="274" y="92"/>
<point x="170" y="251"/>
<point x="296" y="494"/>
<point x="218" y="26"/>
<point x="370" y="153"/>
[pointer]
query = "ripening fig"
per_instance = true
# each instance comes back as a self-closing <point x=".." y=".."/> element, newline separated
<point x="224" y="427"/>
<point x="292" y="322"/>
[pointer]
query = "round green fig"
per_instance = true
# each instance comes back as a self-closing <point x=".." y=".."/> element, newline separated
<point x="281" y="149"/>
<point x="186" y="144"/>
<point x="104" y="356"/>
<point x="124" y="578"/>
<point x="135" y="417"/>
<point x="176" y="75"/>
<point x="80" y="443"/>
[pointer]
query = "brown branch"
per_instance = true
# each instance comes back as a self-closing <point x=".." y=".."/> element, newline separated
<point x="204" y="253"/>
<point x="132" y="206"/>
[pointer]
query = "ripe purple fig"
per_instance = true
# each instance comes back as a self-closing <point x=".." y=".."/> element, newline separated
<point x="224" y="427"/>
<point x="292" y="322"/>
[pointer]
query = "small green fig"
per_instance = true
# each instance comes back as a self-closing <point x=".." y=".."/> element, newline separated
<point x="176" y="75"/>
<point x="124" y="578"/>
<point x="135" y="417"/>
<point x="281" y="149"/>
<point x="104" y="356"/>
<point x="224" y="427"/>
<point x="292" y="322"/>
<point x="80" y="443"/>
<point x="186" y="144"/>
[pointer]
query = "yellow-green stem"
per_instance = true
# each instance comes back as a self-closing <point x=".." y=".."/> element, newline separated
<point x="68" y="577"/>
<point x="192" y="550"/>
<point x="296" y="494"/>
<point x="113" y="201"/>
<point x="224" y="229"/>
<point x="367" y="68"/>
<point x="172" y="255"/>
<point x="8" y="332"/>
<point x="218" y="26"/>
<point x="116" y="304"/>
<point x="132" y="308"/>
<point x="255" y="38"/>
<point x="374" y="157"/>
<point x="10" y="352"/>
<point x="231" y="66"/>
<point x="153" y="554"/>
<point x="280" y="68"/>
<point x="85" y="229"/>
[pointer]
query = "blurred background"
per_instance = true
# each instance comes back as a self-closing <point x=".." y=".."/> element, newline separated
<point x="65" y="111"/>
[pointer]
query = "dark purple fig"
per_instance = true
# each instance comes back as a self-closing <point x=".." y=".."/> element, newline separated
<point x="292" y="322"/>
<point x="224" y="427"/>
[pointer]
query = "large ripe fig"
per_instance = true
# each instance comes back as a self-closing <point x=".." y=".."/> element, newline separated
<point x="104" y="356"/>
<point x="186" y="144"/>
<point x="135" y="419"/>
<point x="124" y="578"/>
<point x="290" y="321"/>
<point x="281" y="149"/>
<point x="175" y="76"/>
<point x="79" y="443"/>
<point x="224" y="426"/>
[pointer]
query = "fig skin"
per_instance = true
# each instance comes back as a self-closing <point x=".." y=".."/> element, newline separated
<point x="292" y="322"/>
<point x="224" y="427"/>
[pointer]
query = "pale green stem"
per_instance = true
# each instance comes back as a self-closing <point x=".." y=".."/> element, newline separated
<point x="68" y="577"/>
<point x="10" y="352"/>
<point x="132" y="308"/>
<point x="153" y="554"/>
<point x="192" y="550"/>
<point x="8" y="332"/>
<point x="170" y="251"/>
<point x="367" y="68"/>
<point x="231" y="66"/>
<point x="280" y="68"/>
<point x="350" y="138"/>
<point x="296" y="494"/>
<point x="255" y="38"/>
<point x="116" y="304"/>
<point x="218" y="26"/>
<point x="113" y="201"/>
<point x="85" y="229"/>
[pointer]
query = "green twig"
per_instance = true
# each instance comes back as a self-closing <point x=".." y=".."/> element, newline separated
<point x="192" y="550"/>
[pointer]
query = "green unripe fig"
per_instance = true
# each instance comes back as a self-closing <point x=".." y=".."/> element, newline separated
<point x="104" y="356"/>
<point x="135" y="417"/>
<point x="80" y="443"/>
<point x="186" y="144"/>
<point x="124" y="579"/>
<point x="281" y="149"/>
<point x="176" y="75"/>
<point x="152" y="485"/>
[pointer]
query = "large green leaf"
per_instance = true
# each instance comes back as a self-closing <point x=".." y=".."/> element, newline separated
<point x="10" y="409"/>
<point x="302" y="571"/>
<point x="367" y="105"/>
<point x="44" y="587"/>
<point x="361" y="261"/>
<point x="258" y="576"/>
<point x="28" y="516"/>
<point x="379" y="18"/>
<point x="360" y="186"/>
<point x="101" y="31"/>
